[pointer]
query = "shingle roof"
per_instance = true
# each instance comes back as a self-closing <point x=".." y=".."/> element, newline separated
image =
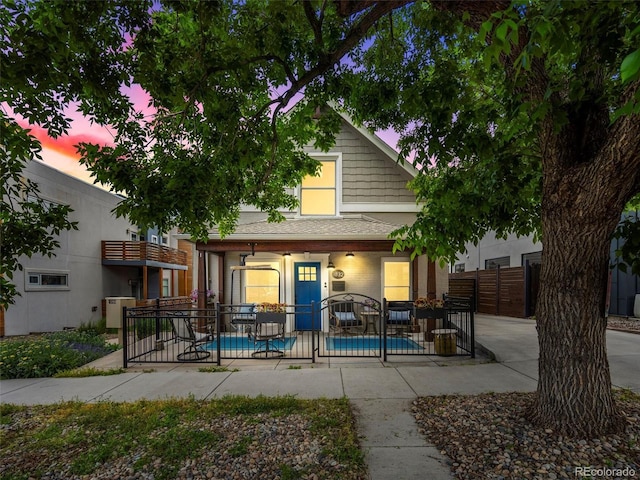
<point x="312" y="228"/>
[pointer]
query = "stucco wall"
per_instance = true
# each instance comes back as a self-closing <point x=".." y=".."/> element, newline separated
<point x="79" y="255"/>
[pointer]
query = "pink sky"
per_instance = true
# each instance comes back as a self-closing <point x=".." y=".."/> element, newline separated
<point x="61" y="153"/>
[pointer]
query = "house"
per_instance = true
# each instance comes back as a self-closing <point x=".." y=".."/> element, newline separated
<point x="105" y="257"/>
<point x="492" y="253"/>
<point x="337" y="241"/>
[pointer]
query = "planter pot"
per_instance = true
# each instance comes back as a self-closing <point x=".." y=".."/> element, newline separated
<point x="429" y="313"/>
<point x="445" y="342"/>
<point x="271" y="317"/>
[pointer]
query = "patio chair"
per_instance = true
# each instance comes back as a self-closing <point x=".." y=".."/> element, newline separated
<point x="183" y="330"/>
<point x="343" y="318"/>
<point x="399" y="317"/>
<point x="244" y="318"/>
<point x="269" y="328"/>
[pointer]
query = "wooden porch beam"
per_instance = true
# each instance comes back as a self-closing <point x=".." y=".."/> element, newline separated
<point x="296" y="246"/>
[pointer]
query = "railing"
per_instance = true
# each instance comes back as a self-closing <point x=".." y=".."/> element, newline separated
<point x="229" y="331"/>
<point x="136" y="251"/>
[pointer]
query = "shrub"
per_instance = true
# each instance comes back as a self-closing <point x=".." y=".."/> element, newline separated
<point x="51" y="353"/>
<point x="99" y="328"/>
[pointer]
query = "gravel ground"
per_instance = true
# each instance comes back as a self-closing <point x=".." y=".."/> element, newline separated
<point x="246" y="447"/>
<point x="624" y="323"/>
<point x="487" y="437"/>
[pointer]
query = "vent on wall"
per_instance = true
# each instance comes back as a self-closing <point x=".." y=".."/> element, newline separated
<point x="339" y="286"/>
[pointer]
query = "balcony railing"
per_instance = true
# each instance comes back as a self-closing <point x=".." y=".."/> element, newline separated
<point x="139" y="251"/>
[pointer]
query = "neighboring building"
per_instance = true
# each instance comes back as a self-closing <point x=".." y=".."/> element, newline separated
<point x="68" y="289"/>
<point x="517" y="251"/>
<point x="344" y="221"/>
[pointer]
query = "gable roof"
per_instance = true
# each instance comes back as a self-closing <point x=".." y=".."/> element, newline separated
<point x="380" y="144"/>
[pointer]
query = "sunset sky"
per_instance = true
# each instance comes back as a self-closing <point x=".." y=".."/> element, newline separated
<point x="61" y="153"/>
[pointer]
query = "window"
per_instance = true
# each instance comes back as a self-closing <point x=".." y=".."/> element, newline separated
<point x="493" y="263"/>
<point x="46" y="280"/>
<point x="154" y="239"/>
<point x="262" y="285"/>
<point x="165" y="240"/>
<point x="165" y="287"/>
<point x="397" y="280"/>
<point x="307" y="274"/>
<point x="532" y="258"/>
<point x="459" y="267"/>
<point x="134" y="236"/>
<point x="318" y="194"/>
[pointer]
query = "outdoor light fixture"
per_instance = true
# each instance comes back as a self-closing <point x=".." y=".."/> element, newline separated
<point x="330" y="265"/>
<point x="286" y="254"/>
<point x="350" y="254"/>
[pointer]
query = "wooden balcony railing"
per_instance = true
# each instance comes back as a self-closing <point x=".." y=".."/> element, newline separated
<point x="136" y="251"/>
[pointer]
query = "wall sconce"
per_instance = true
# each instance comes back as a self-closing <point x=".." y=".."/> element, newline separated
<point x="330" y="265"/>
<point x="286" y="254"/>
<point x="350" y="254"/>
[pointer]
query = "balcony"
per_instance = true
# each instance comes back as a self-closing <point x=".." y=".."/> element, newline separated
<point x="143" y="254"/>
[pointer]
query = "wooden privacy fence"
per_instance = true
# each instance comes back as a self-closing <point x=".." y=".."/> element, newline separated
<point x="503" y="291"/>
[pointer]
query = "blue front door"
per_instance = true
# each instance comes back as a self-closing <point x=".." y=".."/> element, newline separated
<point x="307" y="290"/>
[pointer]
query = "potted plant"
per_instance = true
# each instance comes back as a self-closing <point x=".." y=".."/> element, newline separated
<point x="430" y="309"/>
<point x="371" y="305"/>
<point x="210" y="296"/>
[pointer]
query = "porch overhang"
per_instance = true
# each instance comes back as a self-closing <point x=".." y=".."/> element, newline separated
<point x="313" y="235"/>
<point x="306" y="245"/>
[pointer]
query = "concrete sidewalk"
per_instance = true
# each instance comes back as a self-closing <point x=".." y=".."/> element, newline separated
<point x="381" y="393"/>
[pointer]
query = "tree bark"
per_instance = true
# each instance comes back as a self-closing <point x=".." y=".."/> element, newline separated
<point x="584" y="192"/>
<point x="574" y="387"/>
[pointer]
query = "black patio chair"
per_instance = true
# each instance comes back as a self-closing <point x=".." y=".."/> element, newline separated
<point x="243" y="318"/>
<point x="183" y="330"/>
<point x="269" y="328"/>
<point x="399" y="316"/>
<point x="343" y="317"/>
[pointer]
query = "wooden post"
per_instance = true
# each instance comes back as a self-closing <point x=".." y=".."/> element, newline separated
<point x="160" y="282"/>
<point x="145" y="283"/>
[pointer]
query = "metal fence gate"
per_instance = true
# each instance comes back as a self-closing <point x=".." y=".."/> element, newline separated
<point x="346" y="325"/>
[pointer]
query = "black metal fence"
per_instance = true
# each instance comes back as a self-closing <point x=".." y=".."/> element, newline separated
<point x="347" y="325"/>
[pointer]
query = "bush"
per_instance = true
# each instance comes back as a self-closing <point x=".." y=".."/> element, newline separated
<point x="99" y="328"/>
<point x="51" y="353"/>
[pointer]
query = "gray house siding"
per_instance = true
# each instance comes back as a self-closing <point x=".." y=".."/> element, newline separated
<point x="367" y="174"/>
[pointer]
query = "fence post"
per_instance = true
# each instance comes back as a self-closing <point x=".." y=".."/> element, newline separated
<point x="498" y="290"/>
<point x="157" y="315"/>
<point x="218" y="321"/>
<point x="472" y="329"/>
<point x="384" y="331"/>
<point x="125" y="337"/>
<point x="313" y="332"/>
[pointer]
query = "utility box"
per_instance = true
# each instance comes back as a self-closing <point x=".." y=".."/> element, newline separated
<point x="114" y="310"/>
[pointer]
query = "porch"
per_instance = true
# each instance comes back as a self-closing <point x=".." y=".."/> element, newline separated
<point x="149" y="334"/>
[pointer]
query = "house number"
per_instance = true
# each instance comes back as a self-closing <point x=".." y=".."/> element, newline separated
<point x="338" y="274"/>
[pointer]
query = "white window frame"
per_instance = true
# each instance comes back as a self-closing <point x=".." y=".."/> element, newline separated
<point x="154" y="239"/>
<point x="385" y="260"/>
<point x="326" y="157"/>
<point x="37" y="286"/>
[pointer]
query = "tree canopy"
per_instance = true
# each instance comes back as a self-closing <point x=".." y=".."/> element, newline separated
<point x="523" y="117"/>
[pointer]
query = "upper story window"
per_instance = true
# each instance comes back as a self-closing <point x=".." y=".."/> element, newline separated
<point x="318" y="194"/>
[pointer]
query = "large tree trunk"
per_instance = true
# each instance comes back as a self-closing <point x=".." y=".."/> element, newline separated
<point x="584" y="192"/>
<point x="574" y="387"/>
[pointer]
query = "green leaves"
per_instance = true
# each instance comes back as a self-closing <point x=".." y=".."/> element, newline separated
<point x="630" y="68"/>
